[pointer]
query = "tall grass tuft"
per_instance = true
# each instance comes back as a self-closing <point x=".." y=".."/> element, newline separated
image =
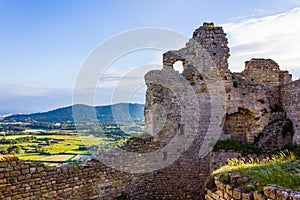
<point x="281" y="169"/>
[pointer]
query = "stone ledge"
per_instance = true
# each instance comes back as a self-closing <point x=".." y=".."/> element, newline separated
<point x="270" y="192"/>
<point x="278" y="192"/>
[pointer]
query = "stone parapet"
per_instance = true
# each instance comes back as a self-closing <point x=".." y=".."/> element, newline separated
<point x="270" y="192"/>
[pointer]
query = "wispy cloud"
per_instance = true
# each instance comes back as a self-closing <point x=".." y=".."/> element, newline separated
<point x="26" y="98"/>
<point x="133" y="76"/>
<point x="293" y="2"/>
<point x="22" y="89"/>
<point x="260" y="11"/>
<point x="274" y="36"/>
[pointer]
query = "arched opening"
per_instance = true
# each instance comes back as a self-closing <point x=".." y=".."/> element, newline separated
<point x="238" y="124"/>
<point x="178" y="66"/>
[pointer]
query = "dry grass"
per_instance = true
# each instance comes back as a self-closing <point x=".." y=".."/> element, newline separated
<point x="56" y="158"/>
<point x="281" y="169"/>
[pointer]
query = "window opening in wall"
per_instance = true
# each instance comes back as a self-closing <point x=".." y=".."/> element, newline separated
<point x="181" y="129"/>
<point x="178" y="66"/>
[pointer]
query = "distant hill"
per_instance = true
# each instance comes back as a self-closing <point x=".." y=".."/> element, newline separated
<point x="104" y="113"/>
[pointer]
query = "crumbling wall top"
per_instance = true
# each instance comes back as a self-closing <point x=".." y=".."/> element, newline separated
<point x="266" y="72"/>
<point x="261" y="63"/>
<point x="213" y="40"/>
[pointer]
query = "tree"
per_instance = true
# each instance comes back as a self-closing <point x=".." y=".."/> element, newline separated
<point x="14" y="149"/>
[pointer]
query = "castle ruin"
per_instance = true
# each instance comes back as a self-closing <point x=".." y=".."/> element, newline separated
<point x="255" y="97"/>
<point x="255" y="105"/>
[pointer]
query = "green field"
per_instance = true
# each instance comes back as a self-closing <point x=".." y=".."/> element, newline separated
<point x="46" y="142"/>
<point x="30" y="156"/>
<point x="51" y="148"/>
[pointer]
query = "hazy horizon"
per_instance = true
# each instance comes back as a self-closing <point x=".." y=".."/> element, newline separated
<point x="51" y="109"/>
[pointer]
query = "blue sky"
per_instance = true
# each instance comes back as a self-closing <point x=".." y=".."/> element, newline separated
<point x="44" y="43"/>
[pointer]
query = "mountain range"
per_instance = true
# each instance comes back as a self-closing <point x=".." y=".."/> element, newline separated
<point x="116" y="112"/>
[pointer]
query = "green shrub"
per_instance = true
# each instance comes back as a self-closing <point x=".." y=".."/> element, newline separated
<point x="225" y="178"/>
<point x="210" y="182"/>
<point x="249" y="188"/>
<point x="14" y="149"/>
<point x="236" y="146"/>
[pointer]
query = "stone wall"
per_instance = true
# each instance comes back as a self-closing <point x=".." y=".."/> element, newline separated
<point x="19" y="180"/>
<point x="178" y="109"/>
<point x="238" y="124"/>
<point x="265" y="72"/>
<point x="93" y="180"/>
<point x="252" y="97"/>
<point x="291" y="104"/>
<point x="270" y="192"/>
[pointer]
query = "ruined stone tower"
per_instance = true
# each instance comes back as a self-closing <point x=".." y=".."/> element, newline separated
<point x="213" y="40"/>
<point x="188" y="107"/>
<point x="252" y="104"/>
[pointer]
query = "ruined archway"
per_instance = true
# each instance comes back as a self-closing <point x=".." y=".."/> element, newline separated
<point x="238" y="125"/>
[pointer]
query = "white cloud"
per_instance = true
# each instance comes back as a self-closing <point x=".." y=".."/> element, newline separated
<point x="21" y="89"/>
<point x="293" y="2"/>
<point x="114" y="87"/>
<point x="128" y="77"/>
<point x="275" y="37"/>
<point x="260" y="11"/>
<point x="28" y="98"/>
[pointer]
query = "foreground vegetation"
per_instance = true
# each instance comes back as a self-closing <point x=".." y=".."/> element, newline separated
<point x="237" y="146"/>
<point x="281" y="169"/>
